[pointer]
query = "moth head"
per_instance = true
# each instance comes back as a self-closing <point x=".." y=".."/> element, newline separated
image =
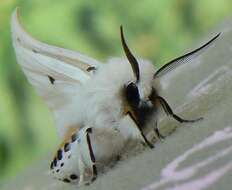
<point x="138" y="103"/>
<point x="131" y="89"/>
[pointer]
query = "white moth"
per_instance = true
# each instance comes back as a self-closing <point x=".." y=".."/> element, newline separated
<point x="98" y="108"/>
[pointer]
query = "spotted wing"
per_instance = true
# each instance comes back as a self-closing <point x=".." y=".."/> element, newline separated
<point x="55" y="73"/>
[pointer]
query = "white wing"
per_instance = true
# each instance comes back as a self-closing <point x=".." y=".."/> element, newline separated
<point x="55" y="72"/>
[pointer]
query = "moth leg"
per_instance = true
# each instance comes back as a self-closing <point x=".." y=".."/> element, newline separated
<point x="141" y="132"/>
<point x="157" y="132"/>
<point x="169" y="111"/>
<point x="91" y="154"/>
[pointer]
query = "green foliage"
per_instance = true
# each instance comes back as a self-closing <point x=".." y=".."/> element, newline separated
<point x="156" y="30"/>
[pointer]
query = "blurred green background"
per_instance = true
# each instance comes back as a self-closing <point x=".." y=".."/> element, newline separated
<point x="157" y="30"/>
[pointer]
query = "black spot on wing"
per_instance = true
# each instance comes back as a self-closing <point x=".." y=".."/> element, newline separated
<point x="52" y="165"/>
<point x="91" y="68"/>
<point x="51" y="79"/>
<point x="73" y="176"/>
<point x="67" y="147"/>
<point x="74" y="137"/>
<point x="66" y="180"/>
<point x="59" y="154"/>
<point x="55" y="162"/>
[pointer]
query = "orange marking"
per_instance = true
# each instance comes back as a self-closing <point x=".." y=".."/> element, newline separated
<point x="128" y="109"/>
<point x="67" y="137"/>
<point x="71" y="130"/>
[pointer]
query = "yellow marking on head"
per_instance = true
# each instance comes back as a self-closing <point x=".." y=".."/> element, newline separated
<point x="127" y="109"/>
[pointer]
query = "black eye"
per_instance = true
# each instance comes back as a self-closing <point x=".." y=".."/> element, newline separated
<point x="132" y="94"/>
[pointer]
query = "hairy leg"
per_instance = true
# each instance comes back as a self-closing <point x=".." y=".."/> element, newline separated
<point x="157" y="132"/>
<point x="141" y="132"/>
<point x="169" y="111"/>
<point x="91" y="154"/>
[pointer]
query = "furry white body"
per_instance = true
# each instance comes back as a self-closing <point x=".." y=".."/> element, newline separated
<point x="81" y="99"/>
<point x="99" y="106"/>
<point x="74" y="163"/>
<point x="98" y="103"/>
<point x="105" y="106"/>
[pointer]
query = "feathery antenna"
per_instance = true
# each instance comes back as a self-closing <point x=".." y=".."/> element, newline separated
<point x="130" y="57"/>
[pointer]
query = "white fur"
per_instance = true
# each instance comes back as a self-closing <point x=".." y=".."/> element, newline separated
<point x="98" y="102"/>
<point x="102" y="94"/>
<point x="82" y="99"/>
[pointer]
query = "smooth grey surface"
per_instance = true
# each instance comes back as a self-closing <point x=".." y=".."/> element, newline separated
<point x="200" y="88"/>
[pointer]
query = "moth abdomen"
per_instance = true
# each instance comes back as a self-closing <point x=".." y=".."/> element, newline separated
<point x="64" y="166"/>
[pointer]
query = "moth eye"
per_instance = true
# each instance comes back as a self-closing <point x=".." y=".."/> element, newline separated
<point x="132" y="94"/>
